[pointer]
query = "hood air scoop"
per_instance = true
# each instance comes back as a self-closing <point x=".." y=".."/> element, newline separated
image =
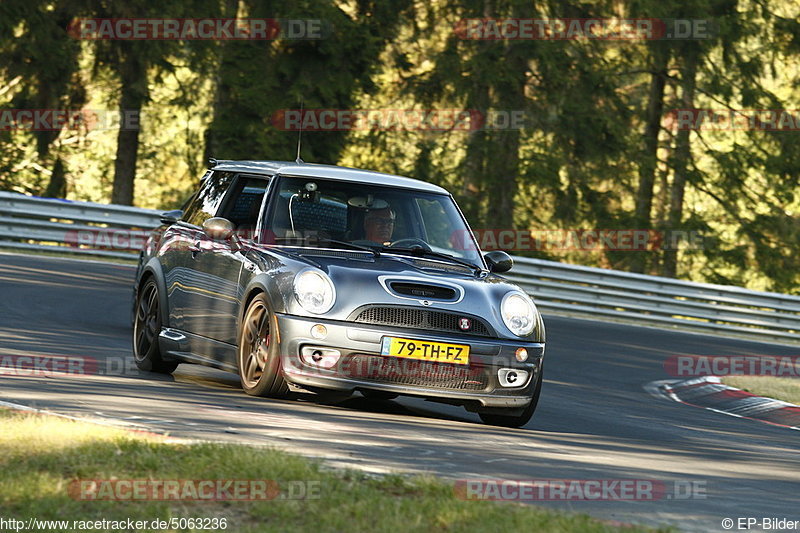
<point x="421" y="290"/>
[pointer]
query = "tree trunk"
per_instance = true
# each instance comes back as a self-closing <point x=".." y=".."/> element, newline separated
<point x="503" y="175"/>
<point x="221" y="90"/>
<point x="473" y="168"/>
<point x="133" y="75"/>
<point x="57" y="187"/>
<point x="477" y="160"/>
<point x="681" y="162"/>
<point x="502" y="171"/>
<point x="649" y="158"/>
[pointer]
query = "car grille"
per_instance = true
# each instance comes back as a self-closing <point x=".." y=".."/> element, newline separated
<point x="428" y="319"/>
<point x="397" y="371"/>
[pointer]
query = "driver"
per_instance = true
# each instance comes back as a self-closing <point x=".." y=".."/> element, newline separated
<point x="379" y="225"/>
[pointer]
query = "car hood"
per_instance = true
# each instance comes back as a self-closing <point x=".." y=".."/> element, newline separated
<point x="362" y="279"/>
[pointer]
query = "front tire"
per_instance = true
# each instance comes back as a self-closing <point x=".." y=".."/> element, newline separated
<point x="497" y="418"/>
<point x="146" y="328"/>
<point x="259" y="358"/>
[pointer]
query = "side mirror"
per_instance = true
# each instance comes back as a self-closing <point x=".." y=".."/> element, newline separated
<point x="498" y="261"/>
<point x="171" y="217"/>
<point x="218" y="228"/>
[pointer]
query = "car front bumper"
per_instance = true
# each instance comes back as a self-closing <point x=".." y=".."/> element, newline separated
<point x="362" y="367"/>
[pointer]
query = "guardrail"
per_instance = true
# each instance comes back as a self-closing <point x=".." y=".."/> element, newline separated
<point x="612" y="294"/>
<point x="93" y="229"/>
<point x="83" y="228"/>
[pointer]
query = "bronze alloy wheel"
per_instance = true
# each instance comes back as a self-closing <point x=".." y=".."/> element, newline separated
<point x="259" y="360"/>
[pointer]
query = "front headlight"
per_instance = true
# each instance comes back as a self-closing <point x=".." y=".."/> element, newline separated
<point x="519" y="313"/>
<point x="314" y="291"/>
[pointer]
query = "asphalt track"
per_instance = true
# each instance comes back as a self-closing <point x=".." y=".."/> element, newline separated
<point x="595" y="420"/>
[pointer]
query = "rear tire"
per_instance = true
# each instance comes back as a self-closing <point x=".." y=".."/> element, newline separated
<point x="259" y="359"/>
<point x="146" y="328"/>
<point x="497" y="418"/>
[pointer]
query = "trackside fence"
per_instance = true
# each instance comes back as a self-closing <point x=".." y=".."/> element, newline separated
<point x="84" y="228"/>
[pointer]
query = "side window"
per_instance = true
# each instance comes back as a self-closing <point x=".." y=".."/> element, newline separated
<point x="243" y="204"/>
<point x="208" y="199"/>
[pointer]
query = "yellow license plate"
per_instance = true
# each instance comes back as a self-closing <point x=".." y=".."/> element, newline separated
<point x="438" y="352"/>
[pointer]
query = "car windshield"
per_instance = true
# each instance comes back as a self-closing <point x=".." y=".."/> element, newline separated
<point x="319" y="213"/>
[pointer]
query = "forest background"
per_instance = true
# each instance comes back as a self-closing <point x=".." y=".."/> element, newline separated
<point x="601" y="143"/>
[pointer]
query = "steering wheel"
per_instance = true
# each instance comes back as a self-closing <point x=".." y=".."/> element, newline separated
<point x="409" y="243"/>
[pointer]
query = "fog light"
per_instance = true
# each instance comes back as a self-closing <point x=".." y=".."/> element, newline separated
<point x="512" y="377"/>
<point x="318" y="331"/>
<point x="320" y="357"/>
<point x="521" y="354"/>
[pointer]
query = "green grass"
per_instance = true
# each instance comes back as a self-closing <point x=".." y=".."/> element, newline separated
<point x="40" y="455"/>
<point x="786" y="389"/>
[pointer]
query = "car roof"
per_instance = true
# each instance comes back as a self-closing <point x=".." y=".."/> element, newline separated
<point x="312" y="170"/>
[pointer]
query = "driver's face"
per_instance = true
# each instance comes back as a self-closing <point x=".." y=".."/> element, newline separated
<point x="379" y="225"/>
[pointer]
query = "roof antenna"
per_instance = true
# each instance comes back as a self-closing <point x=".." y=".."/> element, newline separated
<point x="300" y="135"/>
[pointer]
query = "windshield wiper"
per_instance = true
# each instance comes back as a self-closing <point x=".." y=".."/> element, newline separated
<point x="351" y="245"/>
<point x="343" y="244"/>
<point x="420" y="251"/>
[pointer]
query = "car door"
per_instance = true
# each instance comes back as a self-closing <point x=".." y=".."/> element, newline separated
<point x="181" y="247"/>
<point x="212" y="304"/>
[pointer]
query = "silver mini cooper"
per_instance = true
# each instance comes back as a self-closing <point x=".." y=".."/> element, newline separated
<point x="335" y="279"/>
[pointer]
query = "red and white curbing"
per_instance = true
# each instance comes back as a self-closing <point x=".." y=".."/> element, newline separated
<point x="710" y="393"/>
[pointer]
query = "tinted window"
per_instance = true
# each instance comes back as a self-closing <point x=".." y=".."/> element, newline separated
<point x="367" y="215"/>
<point x="243" y="205"/>
<point x="209" y="198"/>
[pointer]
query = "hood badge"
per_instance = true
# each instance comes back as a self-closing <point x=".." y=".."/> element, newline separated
<point x="425" y="302"/>
<point x="464" y="324"/>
